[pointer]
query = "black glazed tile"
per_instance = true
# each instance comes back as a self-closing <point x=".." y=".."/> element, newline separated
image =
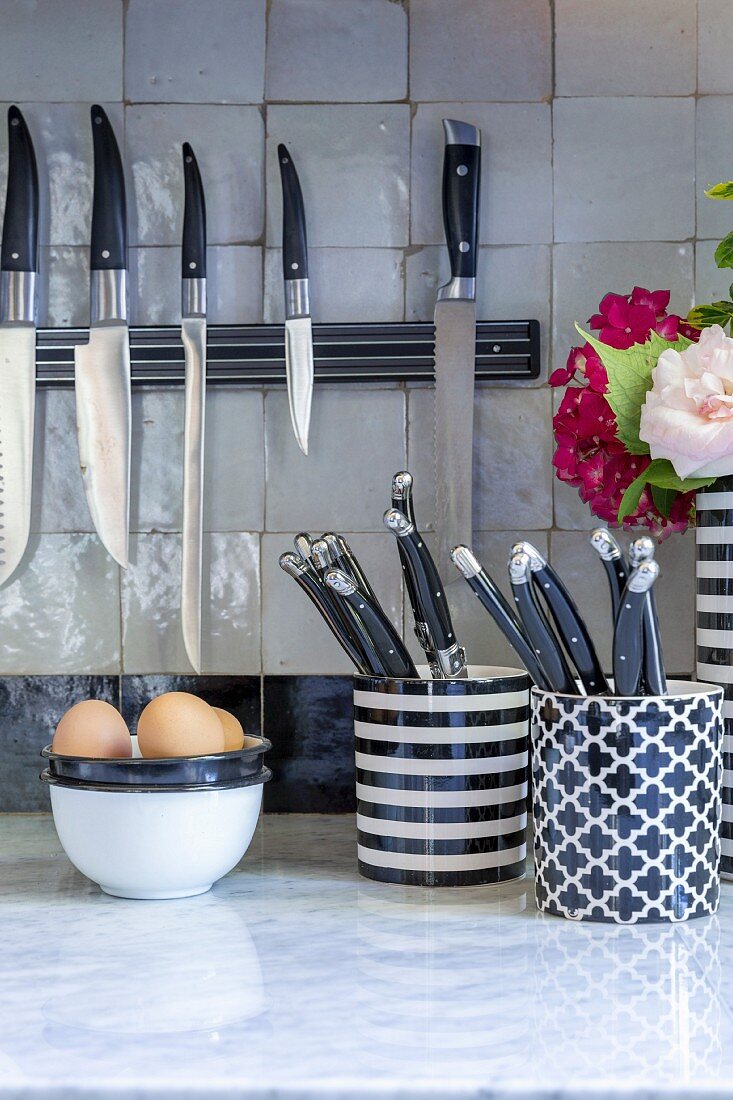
<point x="30" y="708"/>
<point x="240" y="695"/>
<point x="309" y="720"/>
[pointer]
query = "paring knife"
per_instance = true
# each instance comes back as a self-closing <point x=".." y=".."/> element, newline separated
<point x="500" y="610"/>
<point x="319" y="595"/>
<point x="102" y="367"/>
<point x="402" y="502"/>
<point x="568" y="621"/>
<point x="538" y="630"/>
<point x="628" y="641"/>
<point x="653" y="676"/>
<point x="298" y="331"/>
<point x="612" y="557"/>
<point x="450" y="657"/>
<point x="18" y="267"/>
<point x="455" y="340"/>
<point x="193" y="335"/>
<point x="389" y="649"/>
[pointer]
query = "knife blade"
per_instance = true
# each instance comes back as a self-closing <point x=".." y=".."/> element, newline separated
<point x="455" y="341"/>
<point x="298" y="329"/>
<point x="18" y="268"/>
<point x="102" y="367"/>
<point x="193" y="335"/>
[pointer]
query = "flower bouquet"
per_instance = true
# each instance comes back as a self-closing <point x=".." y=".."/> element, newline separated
<point x="647" y="415"/>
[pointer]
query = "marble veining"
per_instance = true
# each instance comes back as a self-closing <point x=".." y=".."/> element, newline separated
<point x="295" y="978"/>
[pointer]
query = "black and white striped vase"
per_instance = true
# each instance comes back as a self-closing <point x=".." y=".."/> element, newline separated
<point x="714" y="588"/>
<point x="441" y="778"/>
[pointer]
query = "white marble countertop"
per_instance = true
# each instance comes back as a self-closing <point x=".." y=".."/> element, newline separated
<point x="296" y="979"/>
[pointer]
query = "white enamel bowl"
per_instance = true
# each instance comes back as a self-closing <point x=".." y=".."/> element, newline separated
<point x="156" y="843"/>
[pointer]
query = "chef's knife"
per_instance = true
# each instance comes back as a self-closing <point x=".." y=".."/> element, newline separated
<point x="628" y="638"/>
<point x="537" y="628"/>
<point x="18" y="266"/>
<point x="298" y="331"/>
<point x="449" y="656"/>
<point x="653" y="676"/>
<point x="392" y="657"/>
<point x="455" y="341"/>
<point x="102" y="367"/>
<point x="193" y="335"/>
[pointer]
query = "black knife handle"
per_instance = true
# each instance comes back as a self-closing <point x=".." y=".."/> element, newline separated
<point x="628" y="644"/>
<point x="461" y="183"/>
<point x="19" y="251"/>
<point x="320" y="597"/>
<point x="503" y="615"/>
<point x="541" y="636"/>
<point x="572" y="630"/>
<point x="428" y="590"/>
<point x="389" y="649"/>
<point x="109" y="213"/>
<point x="193" y="245"/>
<point x="655" y="679"/>
<point x="295" y="245"/>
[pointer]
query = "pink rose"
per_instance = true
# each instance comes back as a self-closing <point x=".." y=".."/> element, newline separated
<point x="688" y="413"/>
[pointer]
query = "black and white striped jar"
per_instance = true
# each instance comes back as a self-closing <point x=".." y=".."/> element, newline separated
<point x="714" y="587"/>
<point x="441" y="778"/>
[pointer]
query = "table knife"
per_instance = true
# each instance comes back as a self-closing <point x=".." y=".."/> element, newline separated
<point x="538" y="630"/>
<point x="18" y="267"/>
<point x="377" y="631"/>
<point x="500" y="610"/>
<point x="653" y="676"/>
<point x="102" y="367"/>
<point x="450" y="657"/>
<point x="455" y="340"/>
<point x="325" y="554"/>
<point x="298" y="330"/>
<point x="402" y="502"/>
<point x="614" y="564"/>
<point x="628" y="638"/>
<point x="568" y="621"/>
<point x="193" y="335"/>
<point x="318" y="594"/>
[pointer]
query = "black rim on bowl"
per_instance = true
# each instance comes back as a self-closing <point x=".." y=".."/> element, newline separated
<point x="263" y="775"/>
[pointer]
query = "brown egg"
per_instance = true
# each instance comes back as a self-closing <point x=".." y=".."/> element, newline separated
<point x="233" y="732"/>
<point x="179" y="724"/>
<point x="93" y="728"/>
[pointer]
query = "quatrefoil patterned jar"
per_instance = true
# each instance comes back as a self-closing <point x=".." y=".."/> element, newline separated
<point x="627" y="804"/>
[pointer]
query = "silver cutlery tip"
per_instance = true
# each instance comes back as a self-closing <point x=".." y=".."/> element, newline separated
<point x="642" y="549"/>
<point x="339" y="582"/>
<point x="520" y="568"/>
<point x="605" y="544"/>
<point x="397" y="522"/>
<point x="643" y="577"/>
<point x="401" y="484"/>
<point x="465" y="561"/>
<point x="536" y="560"/>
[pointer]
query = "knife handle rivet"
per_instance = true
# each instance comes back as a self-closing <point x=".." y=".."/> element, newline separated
<point x="105" y="254"/>
<point x="192" y="265"/>
<point x="15" y="122"/>
<point x="189" y="160"/>
<point x="462" y="170"/>
<point x="294" y="266"/>
<point x="97" y="120"/>
<point x="16" y="255"/>
<point x="464" y="246"/>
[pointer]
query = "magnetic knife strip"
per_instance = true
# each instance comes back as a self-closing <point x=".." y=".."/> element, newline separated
<point x="255" y="354"/>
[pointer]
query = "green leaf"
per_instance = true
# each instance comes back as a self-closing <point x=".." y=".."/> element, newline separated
<point x="632" y="496"/>
<point x="719" y="313"/>
<point x="721" y="191"/>
<point x="724" y="252"/>
<point x="659" y="474"/>
<point x="663" y="499"/>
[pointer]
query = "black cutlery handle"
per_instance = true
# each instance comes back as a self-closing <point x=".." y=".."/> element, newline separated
<point x="295" y="244"/>
<point x="394" y="660"/>
<point x="572" y="630"/>
<point x="461" y="183"/>
<point x="193" y="245"/>
<point x="655" y="679"/>
<point x="320" y="598"/>
<point x="541" y="637"/>
<point x="428" y="590"/>
<point x="504" y="617"/>
<point x="19" y="250"/>
<point x="628" y="644"/>
<point x="109" y="212"/>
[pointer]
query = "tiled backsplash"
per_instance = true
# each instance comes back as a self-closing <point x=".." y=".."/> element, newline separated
<point x="602" y="122"/>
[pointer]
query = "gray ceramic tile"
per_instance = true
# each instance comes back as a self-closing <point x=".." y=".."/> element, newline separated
<point x="69" y="51"/>
<point x="516" y="185"/>
<point x="480" y="49"/>
<point x="714" y="45"/>
<point x="233" y="291"/>
<point x="609" y="158"/>
<point x="63" y="299"/>
<point x="584" y="576"/>
<point x="352" y="52"/>
<point x="511" y="477"/>
<point x="233" y="462"/>
<point x="294" y="637"/>
<point x="600" y="50"/>
<point x="229" y="145"/>
<point x="353" y="163"/>
<point x="182" y="51"/>
<point x="60" y="611"/>
<point x="346" y="284"/>
<point x="151" y="596"/>
<point x="356" y="445"/>
<point x="711" y="282"/>
<point x="584" y="273"/>
<point x="714" y="132"/>
<point x="59" y="504"/>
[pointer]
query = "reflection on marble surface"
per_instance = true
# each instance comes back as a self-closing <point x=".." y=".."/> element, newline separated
<point x="295" y="978"/>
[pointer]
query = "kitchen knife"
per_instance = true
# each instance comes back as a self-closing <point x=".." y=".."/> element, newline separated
<point x="402" y="502"/>
<point x="354" y="569"/>
<point x="653" y="677"/>
<point x="102" y="367"/>
<point x="325" y="554"/>
<point x="628" y="644"/>
<point x="193" y="335"/>
<point x="612" y="557"/>
<point x="298" y="331"/>
<point x="569" y="623"/>
<point x="455" y="340"/>
<point x="18" y="267"/>
<point x="537" y="628"/>
<point x="449" y="656"/>
<point x="500" y="610"/>
<point x="393" y="658"/>
<point x="298" y="570"/>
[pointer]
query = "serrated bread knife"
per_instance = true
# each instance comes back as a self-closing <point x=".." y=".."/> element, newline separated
<point x="193" y="335"/>
<point x="102" y="367"/>
<point x="455" y="341"/>
<point x="298" y="328"/>
<point x="18" y="267"/>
